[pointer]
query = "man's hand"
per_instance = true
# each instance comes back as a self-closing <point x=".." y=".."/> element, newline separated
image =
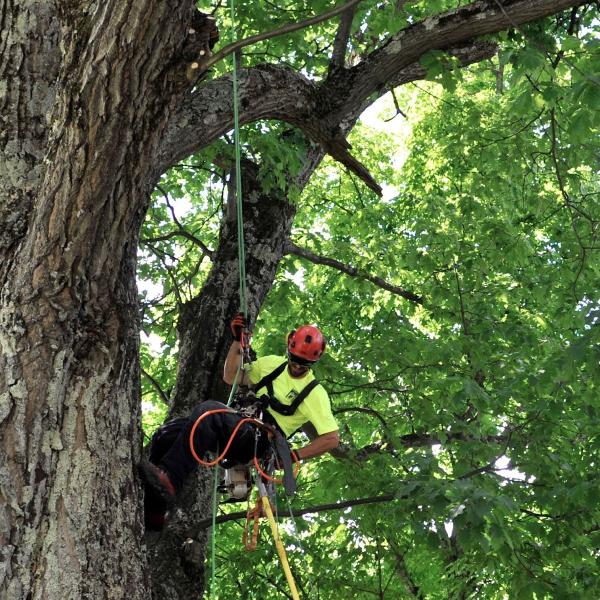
<point x="238" y="324"/>
<point x="234" y="356"/>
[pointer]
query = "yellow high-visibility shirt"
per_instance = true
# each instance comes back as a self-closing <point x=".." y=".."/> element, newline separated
<point x="315" y="408"/>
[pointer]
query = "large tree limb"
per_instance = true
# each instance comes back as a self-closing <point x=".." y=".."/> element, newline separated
<point x="440" y="32"/>
<point x="272" y="92"/>
<point x="408" y="440"/>
<point x="291" y="248"/>
<point x="266" y="92"/>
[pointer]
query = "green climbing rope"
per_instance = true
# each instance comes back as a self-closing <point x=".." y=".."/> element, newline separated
<point x="242" y="270"/>
<point x="238" y="175"/>
<point x="213" y="542"/>
<point x="238" y="195"/>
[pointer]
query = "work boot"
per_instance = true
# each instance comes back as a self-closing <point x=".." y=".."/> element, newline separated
<point x="158" y="481"/>
<point x="155" y="510"/>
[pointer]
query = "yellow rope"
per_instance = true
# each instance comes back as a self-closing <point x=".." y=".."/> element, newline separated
<point x="280" y="548"/>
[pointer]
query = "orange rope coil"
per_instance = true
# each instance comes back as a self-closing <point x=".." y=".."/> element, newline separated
<point x="219" y="458"/>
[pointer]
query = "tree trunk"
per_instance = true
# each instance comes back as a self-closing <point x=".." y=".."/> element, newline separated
<point x="76" y="175"/>
<point x="204" y="322"/>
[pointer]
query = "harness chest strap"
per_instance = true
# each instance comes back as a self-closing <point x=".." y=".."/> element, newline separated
<point x="276" y="405"/>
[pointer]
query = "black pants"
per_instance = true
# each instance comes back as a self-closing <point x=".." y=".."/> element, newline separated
<point x="211" y="435"/>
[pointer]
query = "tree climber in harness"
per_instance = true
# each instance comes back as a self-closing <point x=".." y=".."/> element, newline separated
<point x="290" y="396"/>
<point x="294" y="395"/>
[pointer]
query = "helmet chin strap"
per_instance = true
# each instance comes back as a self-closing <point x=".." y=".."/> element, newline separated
<point x="300" y="361"/>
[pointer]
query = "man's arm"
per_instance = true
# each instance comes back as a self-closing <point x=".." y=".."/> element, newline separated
<point x="232" y="362"/>
<point x="321" y="444"/>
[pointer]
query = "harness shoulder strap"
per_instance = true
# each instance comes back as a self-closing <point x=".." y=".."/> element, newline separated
<point x="276" y="405"/>
<point x="290" y="409"/>
<point x="269" y="378"/>
<point x="306" y="390"/>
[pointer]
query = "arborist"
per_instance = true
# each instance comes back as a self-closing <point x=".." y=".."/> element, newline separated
<point x="284" y="386"/>
<point x="289" y="387"/>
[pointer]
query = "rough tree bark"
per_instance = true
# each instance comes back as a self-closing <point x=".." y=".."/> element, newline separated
<point x="87" y="91"/>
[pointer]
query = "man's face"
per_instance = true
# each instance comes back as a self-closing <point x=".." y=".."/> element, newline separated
<point x="297" y="369"/>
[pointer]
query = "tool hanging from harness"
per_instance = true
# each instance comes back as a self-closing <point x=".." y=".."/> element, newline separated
<point x="238" y="481"/>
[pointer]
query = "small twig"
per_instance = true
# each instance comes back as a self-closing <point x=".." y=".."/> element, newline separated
<point x="168" y="268"/>
<point x="553" y="517"/>
<point x="434" y="96"/>
<point x="184" y="234"/>
<point x="398" y="109"/>
<point x="289" y="28"/>
<point x="463" y="316"/>
<point x="157" y="387"/>
<point x="566" y="198"/>
<point x="363" y="409"/>
<point x="181" y="230"/>
<point x="292" y="248"/>
<point x="359" y="195"/>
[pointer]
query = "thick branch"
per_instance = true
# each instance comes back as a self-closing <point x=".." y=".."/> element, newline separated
<point x="291" y="248"/>
<point x="440" y="32"/>
<point x="417" y="440"/>
<point x="266" y="92"/>
<point x="342" y="36"/>
<point x="273" y="92"/>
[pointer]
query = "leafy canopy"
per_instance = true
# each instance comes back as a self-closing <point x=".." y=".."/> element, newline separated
<point x="478" y="410"/>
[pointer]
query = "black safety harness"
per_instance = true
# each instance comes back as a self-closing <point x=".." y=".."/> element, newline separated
<point x="270" y="400"/>
<point x="247" y="403"/>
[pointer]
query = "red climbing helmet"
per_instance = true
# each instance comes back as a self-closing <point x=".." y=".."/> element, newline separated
<point x="306" y="344"/>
